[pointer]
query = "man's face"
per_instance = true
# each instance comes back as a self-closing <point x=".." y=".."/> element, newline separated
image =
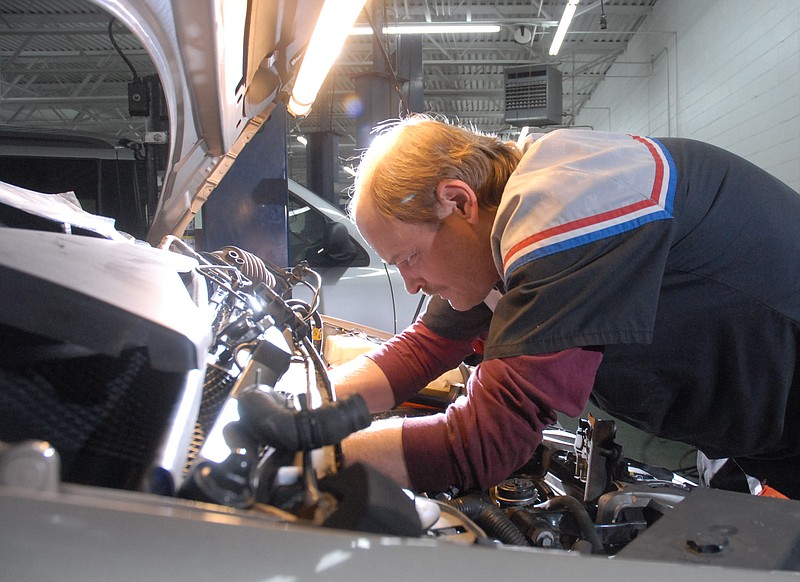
<point x="452" y="260"/>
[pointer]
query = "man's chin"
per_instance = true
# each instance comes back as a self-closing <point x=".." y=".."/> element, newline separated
<point x="460" y="305"/>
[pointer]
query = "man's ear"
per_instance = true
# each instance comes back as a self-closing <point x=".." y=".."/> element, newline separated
<point x="456" y="197"/>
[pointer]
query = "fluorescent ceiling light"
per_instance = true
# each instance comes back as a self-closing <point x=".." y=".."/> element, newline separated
<point x="435" y="28"/>
<point x="566" y="19"/>
<point x="335" y="20"/>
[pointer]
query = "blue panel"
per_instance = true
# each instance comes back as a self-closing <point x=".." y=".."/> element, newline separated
<point x="248" y="208"/>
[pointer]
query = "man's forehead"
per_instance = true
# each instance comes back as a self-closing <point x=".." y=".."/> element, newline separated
<point x="383" y="233"/>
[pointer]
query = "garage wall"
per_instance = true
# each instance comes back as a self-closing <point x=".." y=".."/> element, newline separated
<point x="722" y="71"/>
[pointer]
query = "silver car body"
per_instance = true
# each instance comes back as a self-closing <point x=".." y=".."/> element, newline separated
<point x="56" y="531"/>
<point x="372" y="295"/>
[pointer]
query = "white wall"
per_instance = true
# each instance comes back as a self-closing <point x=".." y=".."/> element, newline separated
<point x="722" y="71"/>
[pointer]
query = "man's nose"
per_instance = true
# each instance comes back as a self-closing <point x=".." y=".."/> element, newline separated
<point x="413" y="284"/>
<point x="413" y="289"/>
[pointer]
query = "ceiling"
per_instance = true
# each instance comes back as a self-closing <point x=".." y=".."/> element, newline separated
<point x="60" y="71"/>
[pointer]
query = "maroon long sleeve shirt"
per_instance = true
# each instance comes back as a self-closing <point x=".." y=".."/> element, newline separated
<point x="483" y="437"/>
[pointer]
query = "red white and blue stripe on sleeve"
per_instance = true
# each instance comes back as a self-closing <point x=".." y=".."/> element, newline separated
<point x="578" y="187"/>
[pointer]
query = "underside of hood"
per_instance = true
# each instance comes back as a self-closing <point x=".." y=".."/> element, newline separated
<point x="223" y="65"/>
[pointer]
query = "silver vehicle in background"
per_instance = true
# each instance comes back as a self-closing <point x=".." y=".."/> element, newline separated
<point x="356" y="285"/>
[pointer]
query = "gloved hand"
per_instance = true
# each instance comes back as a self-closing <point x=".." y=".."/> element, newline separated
<point x="268" y="418"/>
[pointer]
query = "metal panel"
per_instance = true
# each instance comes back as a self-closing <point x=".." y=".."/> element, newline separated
<point x="533" y="95"/>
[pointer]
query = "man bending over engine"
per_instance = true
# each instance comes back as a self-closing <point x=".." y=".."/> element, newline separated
<point x="658" y="277"/>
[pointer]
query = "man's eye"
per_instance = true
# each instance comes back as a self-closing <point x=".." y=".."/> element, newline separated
<point x="408" y="261"/>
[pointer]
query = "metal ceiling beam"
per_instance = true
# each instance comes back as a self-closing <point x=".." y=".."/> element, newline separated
<point x="463" y="73"/>
<point x="57" y="29"/>
<point x="421" y="12"/>
<point x="11" y="19"/>
<point x="55" y="56"/>
<point x="66" y="101"/>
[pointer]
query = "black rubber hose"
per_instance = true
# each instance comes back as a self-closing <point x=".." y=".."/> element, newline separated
<point x="490" y="518"/>
<point x="578" y="511"/>
<point x="272" y="423"/>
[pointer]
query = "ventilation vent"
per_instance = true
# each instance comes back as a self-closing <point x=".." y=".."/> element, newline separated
<point x="533" y="95"/>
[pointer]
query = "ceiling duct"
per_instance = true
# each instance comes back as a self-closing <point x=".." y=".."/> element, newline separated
<point x="533" y="95"/>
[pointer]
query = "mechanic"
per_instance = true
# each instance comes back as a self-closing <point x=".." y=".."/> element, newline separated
<point x="658" y="277"/>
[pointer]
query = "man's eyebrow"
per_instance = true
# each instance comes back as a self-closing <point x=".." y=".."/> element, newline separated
<point x="393" y="261"/>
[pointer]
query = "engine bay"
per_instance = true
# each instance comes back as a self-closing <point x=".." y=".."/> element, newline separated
<point x="194" y="381"/>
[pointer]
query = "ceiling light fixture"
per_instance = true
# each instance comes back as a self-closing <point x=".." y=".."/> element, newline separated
<point x="563" y="25"/>
<point x="603" y="19"/>
<point x="432" y="28"/>
<point x="335" y="20"/>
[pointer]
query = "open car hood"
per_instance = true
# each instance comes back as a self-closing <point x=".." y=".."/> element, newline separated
<point x="223" y="65"/>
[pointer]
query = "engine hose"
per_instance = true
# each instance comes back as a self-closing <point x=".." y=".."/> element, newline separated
<point x="271" y="423"/>
<point x="319" y="365"/>
<point x="578" y="511"/>
<point x="489" y="517"/>
<point x="248" y="264"/>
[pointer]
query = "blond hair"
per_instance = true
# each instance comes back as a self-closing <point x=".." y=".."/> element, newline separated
<point x="407" y="160"/>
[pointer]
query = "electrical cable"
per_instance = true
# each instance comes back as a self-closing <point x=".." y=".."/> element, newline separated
<point x="481" y="538"/>
<point x="137" y="195"/>
<point x="119" y="50"/>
